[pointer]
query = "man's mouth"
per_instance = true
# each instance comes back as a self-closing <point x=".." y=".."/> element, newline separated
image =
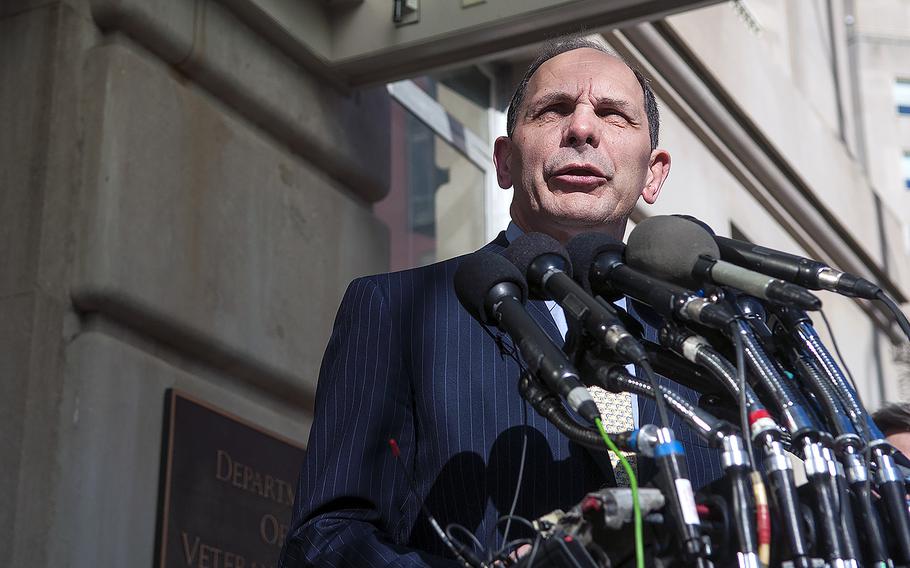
<point x="578" y="175"/>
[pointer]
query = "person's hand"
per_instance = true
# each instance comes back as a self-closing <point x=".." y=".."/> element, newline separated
<point x="514" y="556"/>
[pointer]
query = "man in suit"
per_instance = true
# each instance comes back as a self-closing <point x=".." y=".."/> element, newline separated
<point x="405" y="361"/>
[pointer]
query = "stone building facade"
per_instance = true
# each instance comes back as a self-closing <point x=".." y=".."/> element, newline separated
<point x="187" y="187"/>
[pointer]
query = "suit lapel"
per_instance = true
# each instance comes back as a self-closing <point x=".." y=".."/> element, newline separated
<point x="541" y="314"/>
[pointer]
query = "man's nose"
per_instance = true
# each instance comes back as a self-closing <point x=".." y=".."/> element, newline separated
<point x="582" y="128"/>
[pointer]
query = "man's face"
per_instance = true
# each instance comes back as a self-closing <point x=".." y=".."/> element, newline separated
<point x="901" y="441"/>
<point x="580" y="154"/>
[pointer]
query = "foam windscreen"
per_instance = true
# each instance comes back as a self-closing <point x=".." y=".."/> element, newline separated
<point x="697" y="221"/>
<point x="529" y="246"/>
<point x="477" y="274"/>
<point x="667" y="247"/>
<point x="583" y="249"/>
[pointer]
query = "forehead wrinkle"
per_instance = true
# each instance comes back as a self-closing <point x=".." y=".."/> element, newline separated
<point x="586" y="58"/>
<point x="554" y="96"/>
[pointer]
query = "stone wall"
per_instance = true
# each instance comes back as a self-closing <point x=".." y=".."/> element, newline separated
<point x="181" y="205"/>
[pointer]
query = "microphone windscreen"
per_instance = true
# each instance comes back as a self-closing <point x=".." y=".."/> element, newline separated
<point x="529" y="246"/>
<point x="583" y="249"/>
<point x="668" y="247"/>
<point x="477" y="274"/>
<point x="697" y="221"/>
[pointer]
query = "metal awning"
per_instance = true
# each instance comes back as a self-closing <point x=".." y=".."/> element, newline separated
<point x="357" y="42"/>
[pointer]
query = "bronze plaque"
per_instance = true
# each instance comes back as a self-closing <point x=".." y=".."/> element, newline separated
<point x="227" y="489"/>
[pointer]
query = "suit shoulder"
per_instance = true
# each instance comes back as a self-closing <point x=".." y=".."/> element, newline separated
<point x="422" y="282"/>
<point x="436" y="275"/>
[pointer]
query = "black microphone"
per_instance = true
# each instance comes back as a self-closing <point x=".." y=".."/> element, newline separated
<point x="599" y="269"/>
<point x="799" y="270"/>
<point x="493" y="291"/>
<point x="545" y="264"/>
<point x="681" y="251"/>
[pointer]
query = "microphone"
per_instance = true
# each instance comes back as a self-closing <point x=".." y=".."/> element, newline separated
<point x="545" y="264"/>
<point x="680" y="251"/>
<point x="799" y="270"/>
<point x="551" y="408"/>
<point x="493" y="291"/>
<point x="598" y="259"/>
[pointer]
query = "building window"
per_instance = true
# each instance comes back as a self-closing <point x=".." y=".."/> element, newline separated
<point x="435" y="206"/>
<point x="902" y="96"/>
<point x="905" y="169"/>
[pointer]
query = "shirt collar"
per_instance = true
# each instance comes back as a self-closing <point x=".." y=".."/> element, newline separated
<point x="513" y="231"/>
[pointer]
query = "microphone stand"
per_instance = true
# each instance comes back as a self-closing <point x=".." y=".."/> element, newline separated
<point x="765" y="433"/>
<point x="829" y="409"/>
<point x="719" y="434"/>
<point x="824" y="370"/>
<point x="806" y="436"/>
<point x="848" y="445"/>
<point x="668" y="453"/>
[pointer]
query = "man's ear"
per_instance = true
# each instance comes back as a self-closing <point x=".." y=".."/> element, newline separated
<point x="502" y="159"/>
<point x="658" y="170"/>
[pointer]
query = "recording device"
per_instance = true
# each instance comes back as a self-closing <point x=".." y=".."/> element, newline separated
<point x="781" y="363"/>
<point x="545" y="264"/>
<point x="680" y="251"/>
<point x="600" y="270"/>
<point x="603" y="273"/>
<point x="855" y="430"/>
<point x="493" y="291"/>
<point x="800" y="270"/>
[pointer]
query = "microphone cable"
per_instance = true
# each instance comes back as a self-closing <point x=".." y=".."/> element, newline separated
<point x="469" y="556"/>
<point x="864" y="424"/>
<point x="633" y="485"/>
<point x="779" y="470"/>
<point x="895" y="309"/>
<point x="460" y="552"/>
<point x="759" y="494"/>
<point x="508" y="548"/>
<point x="719" y="366"/>
<point x="741" y="381"/>
<point x="745" y="482"/>
<point x="662" y="413"/>
<point x="762" y="518"/>
<point x="645" y="366"/>
<point x="864" y="493"/>
<point x="697" y="350"/>
<point x="563" y="426"/>
<point x="521" y="471"/>
<point x="505" y="351"/>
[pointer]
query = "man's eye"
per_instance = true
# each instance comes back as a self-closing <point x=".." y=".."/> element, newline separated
<point x="556" y="109"/>
<point x="611" y="112"/>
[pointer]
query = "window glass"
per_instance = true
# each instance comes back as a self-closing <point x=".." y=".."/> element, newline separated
<point x="434" y="209"/>
<point x="465" y="94"/>
<point x="905" y="169"/>
<point x="902" y="96"/>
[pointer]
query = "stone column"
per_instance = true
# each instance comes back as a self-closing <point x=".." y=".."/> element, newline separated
<point x="181" y="205"/>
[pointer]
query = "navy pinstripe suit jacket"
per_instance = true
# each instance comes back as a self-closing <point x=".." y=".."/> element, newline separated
<point x="406" y="361"/>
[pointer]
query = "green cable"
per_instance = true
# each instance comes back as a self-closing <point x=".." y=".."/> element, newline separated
<point x="633" y="483"/>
